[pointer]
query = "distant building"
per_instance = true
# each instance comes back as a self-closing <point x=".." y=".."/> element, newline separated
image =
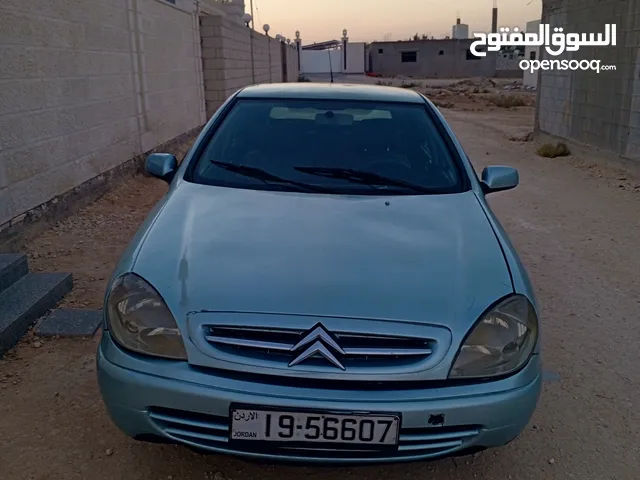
<point x="436" y="58"/>
<point x="531" y="53"/>
<point x="460" y="31"/>
<point x="232" y="9"/>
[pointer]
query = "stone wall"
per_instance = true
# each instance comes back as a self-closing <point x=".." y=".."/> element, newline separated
<point x="599" y="109"/>
<point x="87" y="85"/>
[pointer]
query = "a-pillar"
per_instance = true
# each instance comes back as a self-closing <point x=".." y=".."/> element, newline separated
<point x="345" y="41"/>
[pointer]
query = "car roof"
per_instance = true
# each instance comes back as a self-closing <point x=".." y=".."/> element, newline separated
<point x="331" y="91"/>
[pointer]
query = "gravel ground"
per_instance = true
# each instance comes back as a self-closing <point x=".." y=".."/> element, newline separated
<point x="577" y="226"/>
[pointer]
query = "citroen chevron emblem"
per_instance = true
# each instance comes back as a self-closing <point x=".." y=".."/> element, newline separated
<point x="318" y="342"/>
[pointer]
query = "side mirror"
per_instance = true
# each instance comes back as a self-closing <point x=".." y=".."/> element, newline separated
<point x="162" y="165"/>
<point x="498" y="178"/>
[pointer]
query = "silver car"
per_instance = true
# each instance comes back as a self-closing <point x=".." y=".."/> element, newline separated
<point x="323" y="282"/>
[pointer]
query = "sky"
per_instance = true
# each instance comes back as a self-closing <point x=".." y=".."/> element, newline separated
<point x="370" y="20"/>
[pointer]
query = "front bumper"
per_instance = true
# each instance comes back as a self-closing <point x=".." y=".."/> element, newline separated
<point x="171" y="401"/>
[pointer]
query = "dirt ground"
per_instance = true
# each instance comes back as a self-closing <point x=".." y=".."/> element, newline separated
<point x="576" y="224"/>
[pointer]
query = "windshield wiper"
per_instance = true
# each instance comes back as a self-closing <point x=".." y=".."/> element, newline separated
<point x="362" y="177"/>
<point x="266" y="177"/>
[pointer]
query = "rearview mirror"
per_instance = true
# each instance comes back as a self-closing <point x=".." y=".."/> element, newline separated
<point x="162" y="165"/>
<point x="497" y="178"/>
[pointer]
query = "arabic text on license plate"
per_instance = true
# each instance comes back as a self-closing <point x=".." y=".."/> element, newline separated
<point x="277" y="426"/>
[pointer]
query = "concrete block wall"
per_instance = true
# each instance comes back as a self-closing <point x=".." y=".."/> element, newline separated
<point x="276" y="61"/>
<point x="266" y="56"/>
<point x="356" y="57"/>
<point x="226" y="59"/>
<point x="599" y="109"/>
<point x="87" y="85"/>
<point x="170" y="70"/>
<point x="508" y="67"/>
<point x="292" y="63"/>
<point x="435" y="59"/>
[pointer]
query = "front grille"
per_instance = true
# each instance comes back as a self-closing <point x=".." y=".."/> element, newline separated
<point x="211" y="432"/>
<point x="356" y="349"/>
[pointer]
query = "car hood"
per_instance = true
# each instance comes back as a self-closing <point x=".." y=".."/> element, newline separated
<point x="430" y="259"/>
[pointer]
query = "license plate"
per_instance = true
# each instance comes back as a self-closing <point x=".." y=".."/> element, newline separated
<point x="262" y="425"/>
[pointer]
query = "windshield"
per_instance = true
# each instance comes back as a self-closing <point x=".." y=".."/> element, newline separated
<point x="329" y="146"/>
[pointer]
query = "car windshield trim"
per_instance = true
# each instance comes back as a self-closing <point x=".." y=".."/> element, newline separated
<point x="213" y="127"/>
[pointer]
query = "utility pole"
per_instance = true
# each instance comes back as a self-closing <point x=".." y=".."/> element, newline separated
<point x="251" y="6"/>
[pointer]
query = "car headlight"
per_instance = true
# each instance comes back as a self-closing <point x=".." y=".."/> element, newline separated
<point x="500" y="342"/>
<point x="139" y="320"/>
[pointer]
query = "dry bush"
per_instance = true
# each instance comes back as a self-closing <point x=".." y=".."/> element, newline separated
<point x="384" y="83"/>
<point x="522" y="137"/>
<point x="437" y="92"/>
<point x="507" y="100"/>
<point x="550" y="150"/>
<point x="440" y="104"/>
<point x="409" y="85"/>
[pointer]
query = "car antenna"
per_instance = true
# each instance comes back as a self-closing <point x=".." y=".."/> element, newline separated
<point x="330" y="66"/>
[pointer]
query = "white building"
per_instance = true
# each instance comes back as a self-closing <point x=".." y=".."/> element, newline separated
<point x="460" y="30"/>
<point x="531" y="53"/>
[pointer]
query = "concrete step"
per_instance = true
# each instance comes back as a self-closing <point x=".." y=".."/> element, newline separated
<point x="69" y="323"/>
<point x="27" y="300"/>
<point x="13" y="266"/>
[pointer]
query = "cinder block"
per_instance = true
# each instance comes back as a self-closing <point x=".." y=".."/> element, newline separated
<point x="210" y="75"/>
<point x="213" y="63"/>
<point x="5" y="206"/>
<point x="105" y="39"/>
<point x="32" y="159"/>
<point x="206" y="31"/>
<point x="40" y="188"/>
<point x="115" y="133"/>
<point x="112" y="86"/>
<point x="20" y="129"/>
<point x="66" y="91"/>
<point x="212" y="95"/>
<point x="210" y="20"/>
<point x="215" y="85"/>
<point x="19" y="62"/>
<point x="106" y="159"/>
<point x="21" y="95"/>
<point x="212" y="42"/>
<point x="210" y="52"/>
<point x="16" y="27"/>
